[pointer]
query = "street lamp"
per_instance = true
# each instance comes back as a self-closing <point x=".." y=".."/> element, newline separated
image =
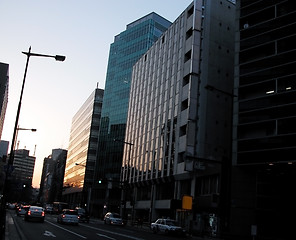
<point x="123" y="194"/>
<point x="31" y="129"/>
<point x="29" y="54"/>
<point x="11" y="156"/>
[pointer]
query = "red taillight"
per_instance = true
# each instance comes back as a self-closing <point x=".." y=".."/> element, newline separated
<point x="29" y="212"/>
<point x="43" y="214"/>
<point x="63" y="215"/>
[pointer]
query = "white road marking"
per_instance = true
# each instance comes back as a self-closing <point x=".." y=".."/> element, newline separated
<point x="115" y="233"/>
<point x="66" y="229"/>
<point x="102" y="235"/>
<point x="48" y="234"/>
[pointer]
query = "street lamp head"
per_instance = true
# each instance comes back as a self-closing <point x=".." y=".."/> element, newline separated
<point x="60" y="58"/>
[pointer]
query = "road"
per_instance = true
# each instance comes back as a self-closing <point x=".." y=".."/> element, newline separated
<point x="51" y="230"/>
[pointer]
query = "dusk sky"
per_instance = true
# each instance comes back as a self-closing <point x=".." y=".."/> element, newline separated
<point x="54" y="91"/>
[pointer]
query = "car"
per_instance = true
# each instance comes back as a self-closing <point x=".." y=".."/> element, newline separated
<point x="83" y="215"/>
<point x="113" y="219"/>
<point x="21" y="211"/>
<point x="35" y="213"/>
<point x="49" y="210"/>
<point x="167" y="226"/>
<point x="69" y="216"/>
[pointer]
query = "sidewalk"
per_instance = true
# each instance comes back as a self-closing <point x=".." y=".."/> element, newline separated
<point x="146" y="227"/>
<point x="12" y="229"/>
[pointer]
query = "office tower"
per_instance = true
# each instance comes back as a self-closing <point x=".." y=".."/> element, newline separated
<point x="180" y="120"/>
<point x="264" y="146"/>
<point x="127" y="48"/>
<point x="20" y="180"/>
<point x="82" y="150"/>
<point x="4" y="81"/>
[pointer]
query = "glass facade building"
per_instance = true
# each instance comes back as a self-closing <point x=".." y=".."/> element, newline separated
<point x="82" y="149"/>
<point x="180" y="118"/>
<point x="127" y="48"/>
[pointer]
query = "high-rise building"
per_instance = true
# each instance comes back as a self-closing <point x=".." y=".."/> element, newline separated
<point x="4" y="81"/>
<point x="82" y="151"/>
<point x="180" y="121"/>
<point x="21" y="174"/>
<point x="264" y="147"/>
<point x="127" y="48"/>
<point x="23" y="165"/>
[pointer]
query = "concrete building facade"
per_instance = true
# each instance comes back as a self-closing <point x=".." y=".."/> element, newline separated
<point x="180" y="120"/>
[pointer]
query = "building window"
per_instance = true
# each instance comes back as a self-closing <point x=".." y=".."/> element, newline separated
<point x="190" y="12"/>
<point x="187" y="56"/>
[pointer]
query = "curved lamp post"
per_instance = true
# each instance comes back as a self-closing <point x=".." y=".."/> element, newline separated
<point x="11" y="156"/>
<point x="29" y="54"/>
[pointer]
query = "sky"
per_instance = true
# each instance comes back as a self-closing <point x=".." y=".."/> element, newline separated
<point x="54" y="91"/>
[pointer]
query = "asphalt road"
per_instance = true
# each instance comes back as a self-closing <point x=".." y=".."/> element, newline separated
<point x="51" y="230"/>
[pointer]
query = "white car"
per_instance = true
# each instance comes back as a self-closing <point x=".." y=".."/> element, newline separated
<point x="167" y="226"/>
<point x="69" y="216"/>
<point x="113" y="219"/>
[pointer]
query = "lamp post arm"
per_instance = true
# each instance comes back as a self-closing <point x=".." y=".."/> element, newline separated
<point x="56" y="57"/>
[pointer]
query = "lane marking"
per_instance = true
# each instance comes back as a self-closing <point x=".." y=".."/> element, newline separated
<point x="65" y="229"/>
<point x="105" y="236"/>
<point x="49" y="234"/>
<point x="115" y="233"/>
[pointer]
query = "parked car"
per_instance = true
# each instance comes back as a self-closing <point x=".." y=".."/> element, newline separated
<point x="69" y="216"/>
<point x="83" y="215"/>
<point x="167" y="226"/>
<point x="35" y="213"/>
<point x="113" y="219"/>
<point x="21" y="210"/>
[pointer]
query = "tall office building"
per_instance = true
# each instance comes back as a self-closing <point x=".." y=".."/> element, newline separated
<point x="180" y="120"/>
<point x="82" y="150"/>
<point x="264" y="147"/>
<point x="23" y="165"/>
<point x="4" y="81"/>
<point x="127" y="48"/>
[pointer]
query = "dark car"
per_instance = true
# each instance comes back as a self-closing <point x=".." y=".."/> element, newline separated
<point x="35" y="213"/>
<point x="21" y="210"/>
<point x="83" y="215"/>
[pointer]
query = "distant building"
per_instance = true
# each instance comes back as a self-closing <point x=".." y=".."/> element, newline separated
<point x="127" y="48"/>
<point x="23" y="165"/>
<point x="82" y="151"/>
<point x="52" y="178"/>
<point x="20" y="177"/>
<point x="264" y="141"/>
<point x="4" y="82"/>
<point x="3" y="148"/>
<point x="3" y="160"/>
<point x="180" y="121"/>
